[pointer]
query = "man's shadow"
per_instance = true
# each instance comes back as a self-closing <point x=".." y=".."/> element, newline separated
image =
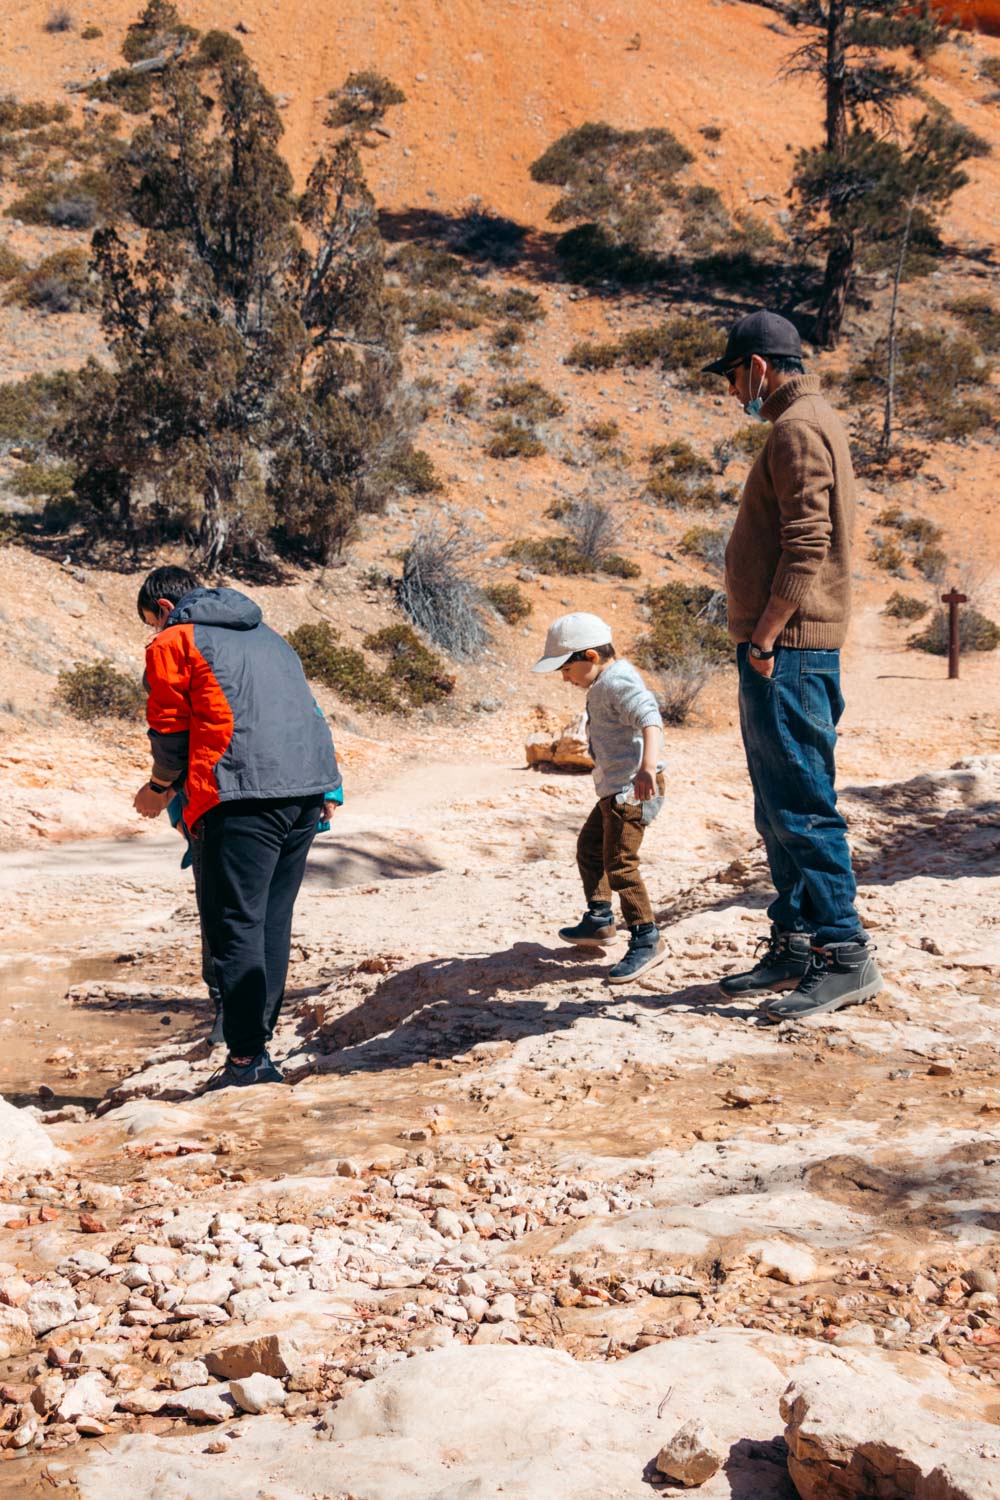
<point x="439" y="1008"/>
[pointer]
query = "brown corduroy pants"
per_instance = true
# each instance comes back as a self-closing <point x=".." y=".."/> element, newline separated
<point x="607" y="856"/>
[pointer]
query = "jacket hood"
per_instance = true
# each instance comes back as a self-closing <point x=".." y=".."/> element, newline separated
<point x="226" y="607"/>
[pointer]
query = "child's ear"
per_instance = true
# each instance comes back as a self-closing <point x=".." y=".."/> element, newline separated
<point x="592" y="656"/>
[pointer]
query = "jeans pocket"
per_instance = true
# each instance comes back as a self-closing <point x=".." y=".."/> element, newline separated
<point x="819" y="689"/>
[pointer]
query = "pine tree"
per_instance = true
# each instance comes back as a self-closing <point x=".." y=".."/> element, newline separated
<point x="862" y="94"/>
<point x="254" y="348"/>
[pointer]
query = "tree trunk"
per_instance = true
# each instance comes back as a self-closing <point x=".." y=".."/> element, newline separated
<point x="213" y="533"/>
<point x="890" y="376"/>
<point x="836" y="289"/>
<point x="836" y="76"/>
<point x="840" y="260"/>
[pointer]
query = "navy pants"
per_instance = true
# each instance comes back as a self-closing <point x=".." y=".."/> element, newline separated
<point x="789" y="725"/>
<point x="253" y="858"/>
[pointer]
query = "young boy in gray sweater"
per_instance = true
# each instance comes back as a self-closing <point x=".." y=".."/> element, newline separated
<point x="625" y="732"/>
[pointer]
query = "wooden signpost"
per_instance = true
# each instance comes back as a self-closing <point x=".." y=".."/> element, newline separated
<point x="953" y="599"/>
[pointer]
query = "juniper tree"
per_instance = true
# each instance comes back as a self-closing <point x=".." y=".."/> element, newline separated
<point x="254" y="349"/>
<point x="862" y="92"/>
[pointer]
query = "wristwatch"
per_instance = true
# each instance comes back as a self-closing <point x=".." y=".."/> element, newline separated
<point x="759" y="654"/>
<point x="159" y="790"/>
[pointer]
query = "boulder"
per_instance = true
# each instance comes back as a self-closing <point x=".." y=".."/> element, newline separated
<point x="275" y="1355"/>
<point x="24" y="1143"/>
<point x="257" y="1393"/>
<point x="15" y="1332"/>
<point x="568" y="751"/>
<point x="50" y="1307"/>
<point x="880" y="1426"/>
<point x="784" y="1262"/>
<point x="693" y="1454"/>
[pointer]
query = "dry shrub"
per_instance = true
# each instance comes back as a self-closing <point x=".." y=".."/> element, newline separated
<point x="510" y="602"/>
<point x="679" y="687"/>
<point x="97" y="690"/>
<point x="904" y="607"/>
<point x="437" y="593"/>
<point x="976" y="632"/>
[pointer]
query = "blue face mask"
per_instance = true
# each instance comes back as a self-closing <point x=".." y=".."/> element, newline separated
<point x="753" y="407"/>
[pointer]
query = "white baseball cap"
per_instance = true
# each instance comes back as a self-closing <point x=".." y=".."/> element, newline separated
<point x="572" y="633"/>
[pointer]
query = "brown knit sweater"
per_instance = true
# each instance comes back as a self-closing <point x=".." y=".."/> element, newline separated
<point x="792" y="535"/>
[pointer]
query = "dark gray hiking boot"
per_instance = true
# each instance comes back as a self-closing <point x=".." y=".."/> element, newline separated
<point x="784" y="961"/>
<point x="840" y="974"/>
<point x="259" y="1069"/>
<point x="595" y="928"/>
<point x="645" y="950"/>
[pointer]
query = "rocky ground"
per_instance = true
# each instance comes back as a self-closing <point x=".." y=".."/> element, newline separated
<point x="523" y="1229"/>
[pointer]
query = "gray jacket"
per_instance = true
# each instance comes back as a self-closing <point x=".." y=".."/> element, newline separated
<point x="619" y="707"/>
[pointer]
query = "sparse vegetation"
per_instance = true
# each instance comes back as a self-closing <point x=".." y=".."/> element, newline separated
<point x="59" y="19"/>
<point x="98" y="690"/>
<point x="707" y="544"/>
<point x="887" y="555"/>
<point x="341" y="668"/>
<point x="602" y="432"/>
<point x="976" y="632"/>
<point x="510" y="602"/>
<point x="678" y="476"/>
<point x="979" y="315"/>
<point x="679" y="687"/>
<point x="415" y="671"/>
<point x="685" y="625"/>
<point x="91" y="33"/>
<point x="938" y="375"/>
<point x="681" y="345"/>
<point x="464" y="398"/>
<point x="745" y="442"/>
<point x="60" y="283"/>
<point x="905" y="607"/>
<point x="31" y="408"/>
<point x="412" y="470"/>
<point x="11" y="264"/>
<point x="437" y="592"/>
<point x="593" y="531"/>
<point x="529" y="400"/>
<point x="514" y="439"/>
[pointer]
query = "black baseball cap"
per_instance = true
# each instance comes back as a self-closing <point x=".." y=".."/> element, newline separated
<point x="765" y="333"/>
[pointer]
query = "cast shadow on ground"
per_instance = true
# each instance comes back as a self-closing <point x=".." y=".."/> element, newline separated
<point x="440" y="1008"/>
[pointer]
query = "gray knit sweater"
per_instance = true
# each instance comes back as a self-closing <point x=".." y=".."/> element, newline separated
<point x="619" y="708"/>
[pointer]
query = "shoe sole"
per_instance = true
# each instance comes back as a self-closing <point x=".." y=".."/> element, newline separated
<point x="762" y="989"/>
<point x="588" y="942"/>
<point x="657" y="958"/>
<point x="857" y="998"/>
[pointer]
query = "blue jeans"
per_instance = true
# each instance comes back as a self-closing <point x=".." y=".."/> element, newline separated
<point x="789" y="725"/>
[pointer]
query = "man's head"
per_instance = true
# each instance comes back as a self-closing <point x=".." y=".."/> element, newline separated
<point x="763" y="350"/>
<point x="578" y="647"/>
<point x="162" y="590"/>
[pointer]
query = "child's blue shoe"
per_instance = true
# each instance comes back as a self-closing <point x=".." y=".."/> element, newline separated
<point x="595" y="928"/>
<point x="645" y="950"/>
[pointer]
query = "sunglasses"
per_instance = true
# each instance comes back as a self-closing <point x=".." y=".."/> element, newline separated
<point x="739" y="365"/>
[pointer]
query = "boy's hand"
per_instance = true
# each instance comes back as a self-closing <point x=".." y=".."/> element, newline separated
<point x="149" y="803"/>
<point x="644" y="785"/>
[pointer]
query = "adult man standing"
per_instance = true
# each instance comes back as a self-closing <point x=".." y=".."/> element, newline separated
<point x="788" y="594"/>
<point x="232" y="722"/>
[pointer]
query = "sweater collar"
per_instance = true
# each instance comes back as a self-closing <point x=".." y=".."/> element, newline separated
<point x="781" y="399"/>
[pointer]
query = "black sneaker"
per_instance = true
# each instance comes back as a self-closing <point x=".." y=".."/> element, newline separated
<point x="645" y="950"/>
<point x="595" y="928"/>
<point x="784" y="961"/>
<point x="259" y="1069"/>
<point x="839" y="974"/>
